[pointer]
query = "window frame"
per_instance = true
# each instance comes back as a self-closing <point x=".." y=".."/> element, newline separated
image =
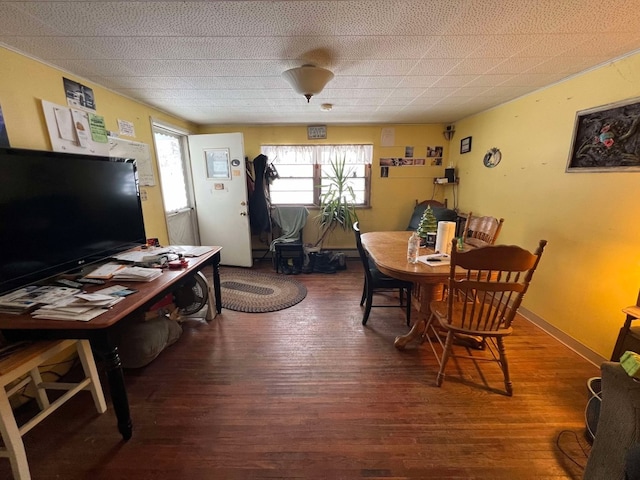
<point x="317" y="171"/>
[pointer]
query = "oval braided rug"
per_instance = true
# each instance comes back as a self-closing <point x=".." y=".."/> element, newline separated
<point x="244" y="290"/>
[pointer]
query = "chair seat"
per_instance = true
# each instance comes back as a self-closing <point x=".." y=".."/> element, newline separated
<point x="286" y="250"/>
<point x="380" y="278"/>
<point x="440" y="310"/>
<point x="26" y="363"/>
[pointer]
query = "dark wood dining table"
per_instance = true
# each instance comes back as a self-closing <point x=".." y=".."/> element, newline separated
<point x="389" y="252"/>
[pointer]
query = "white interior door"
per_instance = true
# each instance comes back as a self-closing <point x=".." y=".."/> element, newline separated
<point x="220" y="188"/>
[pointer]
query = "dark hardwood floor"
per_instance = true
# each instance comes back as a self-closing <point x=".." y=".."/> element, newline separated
<point x="309" y="393"/>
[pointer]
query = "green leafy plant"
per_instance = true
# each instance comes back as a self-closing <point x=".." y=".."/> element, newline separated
<point x="337" y="203"/>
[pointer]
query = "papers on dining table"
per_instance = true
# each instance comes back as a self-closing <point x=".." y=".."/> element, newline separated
<point x="435" y="259"/>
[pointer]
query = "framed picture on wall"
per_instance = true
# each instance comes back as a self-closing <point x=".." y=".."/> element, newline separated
<point x="465" y="145"/>
<point x="606" y="138"/>
<point x="316" y="132"/>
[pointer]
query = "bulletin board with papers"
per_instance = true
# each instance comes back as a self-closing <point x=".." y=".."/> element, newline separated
<point x="73" y="130"/>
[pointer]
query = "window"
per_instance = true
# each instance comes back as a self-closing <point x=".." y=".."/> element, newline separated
<point x="303" y="168"/>
<point x="169" y="148"/>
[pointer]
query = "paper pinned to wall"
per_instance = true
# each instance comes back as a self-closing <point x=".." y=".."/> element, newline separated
<point x="69" y="130"/>
<point x="120" y="148"/>
<point x="388" y="137"/>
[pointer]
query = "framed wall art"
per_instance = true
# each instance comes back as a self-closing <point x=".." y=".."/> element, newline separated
<point x="316" y="132"/>
<point x="606" y="138"/>
<point x="465" y="145"/>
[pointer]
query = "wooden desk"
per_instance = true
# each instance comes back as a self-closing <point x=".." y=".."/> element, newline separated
<point x="389" y="252"/>
<point x="98" y="330"/>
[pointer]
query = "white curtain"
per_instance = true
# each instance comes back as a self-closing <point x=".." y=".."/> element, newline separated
<point x="318" y="154"/>
<point x="352" y="154"/>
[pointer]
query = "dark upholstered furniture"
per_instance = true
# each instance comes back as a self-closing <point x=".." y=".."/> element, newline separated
<point x="440" y="211"/>
<point x="618" y="431"/>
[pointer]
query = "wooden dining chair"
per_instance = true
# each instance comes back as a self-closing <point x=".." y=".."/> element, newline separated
<point x="481" y="231"/>
<point x="21" y="368"/>
<point x="484" y="302"/>
<point x="376" y="281"/>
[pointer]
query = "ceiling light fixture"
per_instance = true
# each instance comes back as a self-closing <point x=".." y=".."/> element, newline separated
<point x="326" y="107"/>
<point x="308" y="80"/>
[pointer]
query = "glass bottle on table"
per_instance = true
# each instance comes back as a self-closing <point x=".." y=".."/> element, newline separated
<point x="412" y="248"/>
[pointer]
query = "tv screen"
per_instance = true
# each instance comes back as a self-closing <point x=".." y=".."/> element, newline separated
<point x="61" y="211"/>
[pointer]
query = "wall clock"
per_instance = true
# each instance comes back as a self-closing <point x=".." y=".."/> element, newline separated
<point x="492" y="158"/>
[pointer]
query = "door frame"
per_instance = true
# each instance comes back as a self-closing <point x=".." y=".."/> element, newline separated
<point x="184" y="146"/>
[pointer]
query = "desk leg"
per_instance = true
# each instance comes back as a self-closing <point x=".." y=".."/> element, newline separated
<point x="216" y="283"/>
<point x="115" y="376"/>
<point x="425" y="292"/>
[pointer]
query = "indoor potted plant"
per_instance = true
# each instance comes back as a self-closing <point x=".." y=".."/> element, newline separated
<point x="337" y="203"/>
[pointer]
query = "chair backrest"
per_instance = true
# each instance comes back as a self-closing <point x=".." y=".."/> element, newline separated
<point x="361" y="251"/>
<point x="433" y="203"/>
<point x="440" y="211"/>
<point x="496" y="278"/>
<point x="480" y="231"/>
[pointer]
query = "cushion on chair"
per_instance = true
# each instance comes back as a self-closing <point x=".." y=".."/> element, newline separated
<point x="442" y="215"/>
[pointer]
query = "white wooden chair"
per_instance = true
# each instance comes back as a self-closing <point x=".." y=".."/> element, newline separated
<point x="26" y="361"/>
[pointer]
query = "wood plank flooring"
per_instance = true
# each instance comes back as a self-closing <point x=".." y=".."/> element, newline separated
<point x="309" y="393"/>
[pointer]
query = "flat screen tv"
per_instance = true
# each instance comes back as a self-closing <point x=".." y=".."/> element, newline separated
<point x="59" y="212"/>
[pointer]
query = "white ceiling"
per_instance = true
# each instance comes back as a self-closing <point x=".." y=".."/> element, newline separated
<point x="404" y="61"/>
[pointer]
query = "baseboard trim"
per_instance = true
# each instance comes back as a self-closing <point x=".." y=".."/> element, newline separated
<point x="563" y="338"/>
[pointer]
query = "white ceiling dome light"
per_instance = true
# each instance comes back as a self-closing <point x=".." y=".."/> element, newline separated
<point x="308" y="80"/>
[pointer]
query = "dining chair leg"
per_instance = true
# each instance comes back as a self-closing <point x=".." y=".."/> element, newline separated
<point x="367" y="307"/>
<point x="448" y="344"/>
<point x="508" y="385"/>
<point x="364" y="292"/>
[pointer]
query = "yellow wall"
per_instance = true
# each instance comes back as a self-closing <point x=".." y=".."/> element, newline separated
<point x="25" y="82"/>
<point x="392" y="198"/>
<point x="591" y="266"/>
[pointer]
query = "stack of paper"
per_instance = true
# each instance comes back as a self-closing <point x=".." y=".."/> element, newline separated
<point x="137" y="274"/>
<point x="435" y="260"/>
<point x="82" y="307"/>
<point x="27" y="298"/>
<point x="105" y="271"/>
